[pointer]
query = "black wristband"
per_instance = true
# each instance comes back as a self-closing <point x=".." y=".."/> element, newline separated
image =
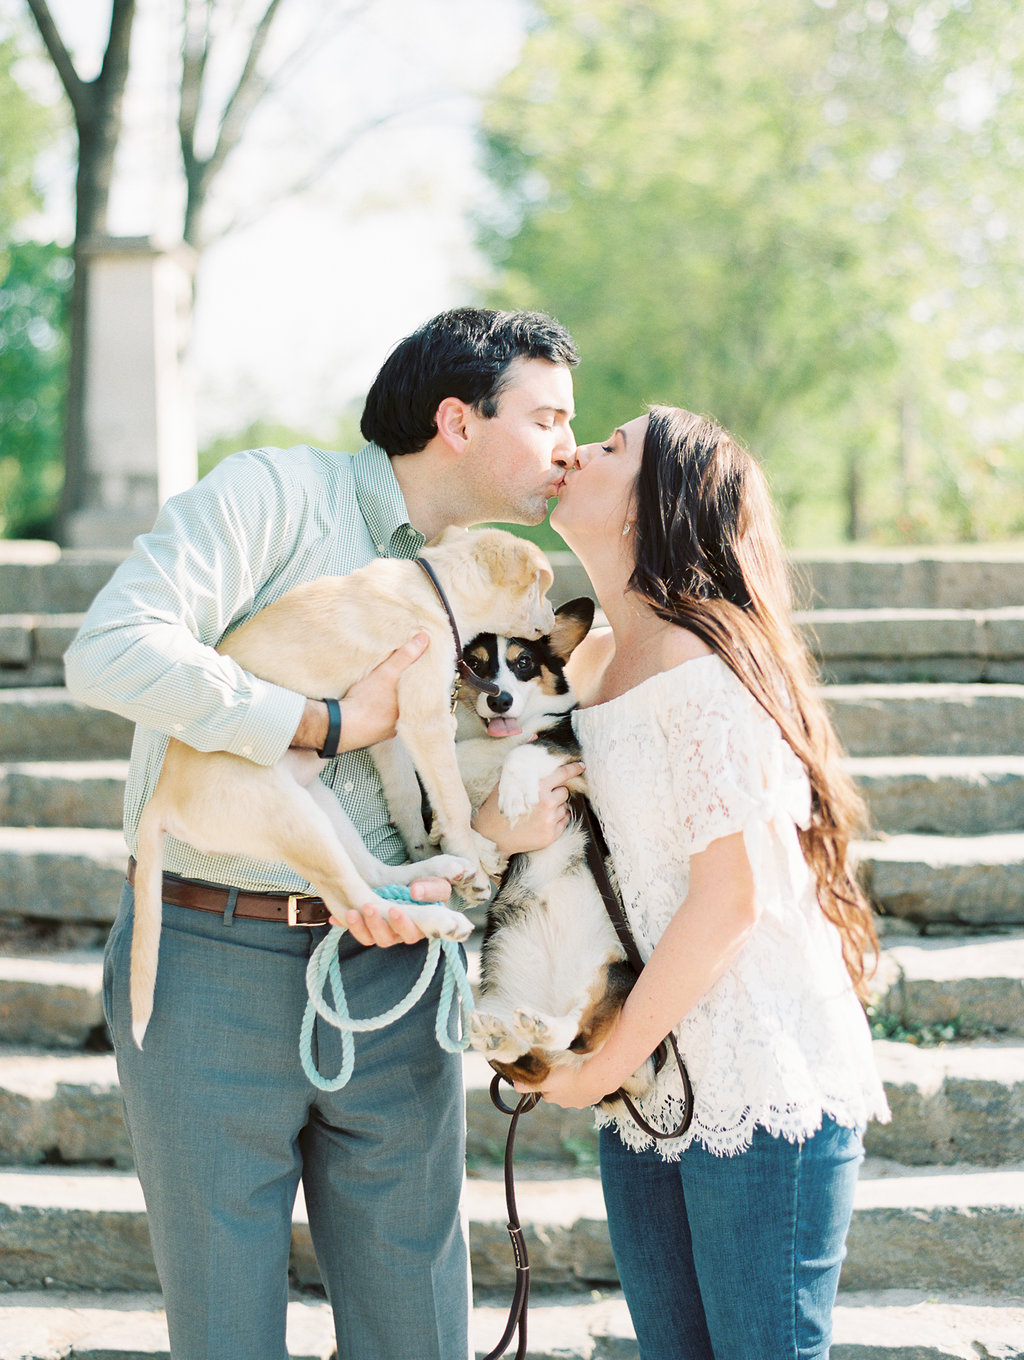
<point x="330" y="747"/>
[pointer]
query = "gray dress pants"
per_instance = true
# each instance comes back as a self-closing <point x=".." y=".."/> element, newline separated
<point x="224" y="1124"/>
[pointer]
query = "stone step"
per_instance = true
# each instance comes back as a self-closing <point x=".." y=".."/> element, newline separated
<point x="876" y="644"/>
<point x="951" y="1103"/>
<point x="872" y="720"/>
<point x="951" y="1229"/>
<point x="61" y="1109"/>
<point x="84" y="793"/>
<point x="888" y="1325"/>
<point x="965" y="880"/>
<point x="61" y="873"/>
<point x="976" y="983"/>
<point x="52" y="1000"/>
<point x="942" y="795"/>
<point x="50" y="1324"/>
<point x="32" y="648"/>
<point x="931" y="795"/>
<point x="39" y="723"/>
<point x="38" y="576"/>
<point x="75" y="873"/>
<point x="872" y="644"/>
<point x="962" y="577"/>
<point x="928" y="720"/>
<point x="954" y="1103"/>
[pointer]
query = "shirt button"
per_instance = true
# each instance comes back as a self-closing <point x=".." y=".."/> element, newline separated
<point x="246" y="750"/>
<point x="348" y="786"/>
<point x="179" y="727"/>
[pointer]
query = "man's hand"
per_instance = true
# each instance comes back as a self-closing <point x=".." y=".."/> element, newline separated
<point x="369" y="710"/>
<point x="370" y="926"/>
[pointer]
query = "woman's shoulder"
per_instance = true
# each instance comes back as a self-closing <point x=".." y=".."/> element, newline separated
<point x="588" y="662"/>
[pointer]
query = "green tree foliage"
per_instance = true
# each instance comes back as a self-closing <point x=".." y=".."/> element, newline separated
<point x="34" y="282"/>
<point x="803" y="218"/>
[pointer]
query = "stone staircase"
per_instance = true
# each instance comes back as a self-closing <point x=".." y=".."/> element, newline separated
<point x="925" y="659"/>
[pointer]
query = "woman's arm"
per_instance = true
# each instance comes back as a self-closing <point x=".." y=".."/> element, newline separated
<point x="703" y="938"/>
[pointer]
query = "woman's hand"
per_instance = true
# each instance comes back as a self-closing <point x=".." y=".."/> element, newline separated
<point x="541" y="826"/>
<point x="369" y="925"/>
<point x="575" y="1086"/>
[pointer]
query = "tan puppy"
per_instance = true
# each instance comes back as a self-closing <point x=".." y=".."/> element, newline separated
<point x="319" y="639"/>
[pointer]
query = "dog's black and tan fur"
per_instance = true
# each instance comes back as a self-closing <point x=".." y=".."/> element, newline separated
<point x="553" y="973"/>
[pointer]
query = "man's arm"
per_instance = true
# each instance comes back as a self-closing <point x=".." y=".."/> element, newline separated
<point x="146" y="648"/>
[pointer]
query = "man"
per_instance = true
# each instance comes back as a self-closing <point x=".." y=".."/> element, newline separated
<point x="467" y="421"/>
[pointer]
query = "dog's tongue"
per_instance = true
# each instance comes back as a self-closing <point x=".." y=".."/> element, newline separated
<point x="503" y="727"/>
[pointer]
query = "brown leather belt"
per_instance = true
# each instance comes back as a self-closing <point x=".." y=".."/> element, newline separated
<point x="292" y="909"/>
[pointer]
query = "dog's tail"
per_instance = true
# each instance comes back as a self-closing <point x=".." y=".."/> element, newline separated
<point x="148" y="916"/>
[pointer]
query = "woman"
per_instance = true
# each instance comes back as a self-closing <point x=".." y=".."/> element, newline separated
<point x="715" y="774"/>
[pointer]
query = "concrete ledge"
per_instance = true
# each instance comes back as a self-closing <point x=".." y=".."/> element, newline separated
<point x="51" y="999"/>
<point x="942" y="795"/>
<point x="82" y="793"/>
<point x="37" y="723"/>
<point x="965" y="880"/>
<point x="979" y="981"/>
<point x="928" y="720"/>
<point x="61" y="873"/>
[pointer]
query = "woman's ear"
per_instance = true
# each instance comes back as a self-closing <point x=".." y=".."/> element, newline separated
<point x="451" y="423"/>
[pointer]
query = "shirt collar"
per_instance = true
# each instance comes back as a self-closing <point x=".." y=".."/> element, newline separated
<point x="382" y="504"/>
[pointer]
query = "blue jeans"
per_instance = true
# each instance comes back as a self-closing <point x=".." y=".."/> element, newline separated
<point x="732" y="1258"/>
<point x="224" y="1124"/>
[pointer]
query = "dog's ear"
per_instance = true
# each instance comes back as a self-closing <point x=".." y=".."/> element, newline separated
<point x="514" y="561"/>
<point x="572" y="624"/>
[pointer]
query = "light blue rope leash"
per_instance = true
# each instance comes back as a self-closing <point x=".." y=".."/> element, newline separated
<point x="323" y="969"/>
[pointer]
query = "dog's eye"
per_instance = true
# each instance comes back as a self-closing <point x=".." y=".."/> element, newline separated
<point x="477" y="664"/>
<point x="524" y="666"/>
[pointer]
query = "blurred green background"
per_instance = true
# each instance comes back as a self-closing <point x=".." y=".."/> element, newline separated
<point x="803" y="217"/>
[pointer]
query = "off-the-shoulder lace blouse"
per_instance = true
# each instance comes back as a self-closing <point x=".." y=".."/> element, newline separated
<point x="684" y="758"/>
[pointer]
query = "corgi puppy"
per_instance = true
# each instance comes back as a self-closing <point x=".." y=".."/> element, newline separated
<point x="553" y="973"/>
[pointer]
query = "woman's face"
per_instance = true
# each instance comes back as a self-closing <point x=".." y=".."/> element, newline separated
<point x="595" y="500"/>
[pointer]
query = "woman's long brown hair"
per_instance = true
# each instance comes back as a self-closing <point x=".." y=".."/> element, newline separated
<point x="708" y="557"/>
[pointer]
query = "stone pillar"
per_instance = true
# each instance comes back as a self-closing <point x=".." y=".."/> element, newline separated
<point x="139" y="436"/>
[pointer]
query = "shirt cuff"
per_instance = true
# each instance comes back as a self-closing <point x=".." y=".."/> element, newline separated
<point x="270" y="723"/>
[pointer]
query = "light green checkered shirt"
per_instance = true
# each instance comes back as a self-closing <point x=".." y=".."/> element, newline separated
<point x="260" y="523"/>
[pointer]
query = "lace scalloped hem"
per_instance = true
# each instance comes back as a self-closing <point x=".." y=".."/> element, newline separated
<point x="794" y="1124"/>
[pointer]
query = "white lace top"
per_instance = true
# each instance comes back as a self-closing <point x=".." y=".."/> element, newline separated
<point x="686" y="757"/>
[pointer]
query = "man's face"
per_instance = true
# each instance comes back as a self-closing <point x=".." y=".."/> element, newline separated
<point x="515" y="461"/>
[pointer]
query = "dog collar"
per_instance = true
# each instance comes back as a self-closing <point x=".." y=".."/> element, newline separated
<point x="463" y="671"/>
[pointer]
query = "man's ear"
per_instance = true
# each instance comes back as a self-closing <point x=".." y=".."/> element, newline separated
<point x="452" y="425"/>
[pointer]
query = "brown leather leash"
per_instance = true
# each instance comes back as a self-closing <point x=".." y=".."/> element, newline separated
<point x="597" y="855"/>
<point x="521" y="1295"/>
<point x="464" y="673"/>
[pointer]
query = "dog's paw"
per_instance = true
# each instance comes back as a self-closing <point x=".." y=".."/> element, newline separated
<point x="553" y="1035"/>
<point x="490" y="1035"/>
<point x="519" y="787"/>
<point x="439" y="922"/>
<point x="452" y="867"/>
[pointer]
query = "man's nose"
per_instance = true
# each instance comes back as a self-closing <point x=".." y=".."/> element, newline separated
<point x="565" y="455"/>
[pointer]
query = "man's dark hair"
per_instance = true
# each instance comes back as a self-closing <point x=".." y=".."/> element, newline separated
<point x="463" y="353"/>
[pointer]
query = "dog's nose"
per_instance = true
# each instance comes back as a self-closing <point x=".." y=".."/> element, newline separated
<point x="499" y="703"/>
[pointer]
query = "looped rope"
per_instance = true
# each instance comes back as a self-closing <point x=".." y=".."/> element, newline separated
<point x="323" y="969"/>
